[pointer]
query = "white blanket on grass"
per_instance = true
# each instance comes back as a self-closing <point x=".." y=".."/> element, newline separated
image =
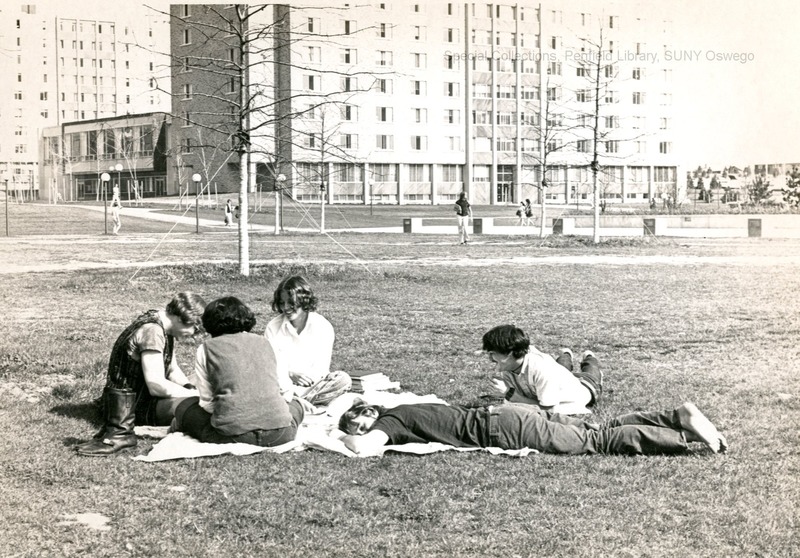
<point x="317" y="432"/>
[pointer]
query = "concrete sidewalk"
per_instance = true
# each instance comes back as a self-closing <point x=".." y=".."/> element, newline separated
<point x="188" y="218"/>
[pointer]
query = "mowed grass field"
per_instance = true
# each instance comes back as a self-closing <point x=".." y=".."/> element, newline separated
<point x="714" y="322"/>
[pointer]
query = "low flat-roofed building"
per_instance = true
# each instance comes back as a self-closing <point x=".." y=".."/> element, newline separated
<point x="132" y="149"/>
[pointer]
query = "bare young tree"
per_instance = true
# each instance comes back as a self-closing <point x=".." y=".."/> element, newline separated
<point x="137" y="142"/>
<point x="557" y="125"/>
<point x="234" y="68"/>
<point x="596" y="66"/>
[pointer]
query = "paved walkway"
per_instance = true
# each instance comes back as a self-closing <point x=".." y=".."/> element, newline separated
<point x="189" y="218"/>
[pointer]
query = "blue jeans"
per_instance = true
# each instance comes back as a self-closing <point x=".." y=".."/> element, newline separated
<point x="516" y="427"/>
<point x="196" y="422"/>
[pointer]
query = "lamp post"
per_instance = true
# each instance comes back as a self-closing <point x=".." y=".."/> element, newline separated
<point x="371" y="197"/>
<point x="104" y="178"/>
<point x="6" y="206"/>
<point x="575" y="195"/>
<point x="322" y="207"/>
<point x="279" y="203"/>
<point x="196" y="179"/>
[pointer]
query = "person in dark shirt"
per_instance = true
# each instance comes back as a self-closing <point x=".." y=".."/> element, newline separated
<point x="369" y="427"/>
<point x="463" y="213"/>
<point x="144" y="383"/>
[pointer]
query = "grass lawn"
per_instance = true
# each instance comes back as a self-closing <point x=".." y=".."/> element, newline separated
<point x="723" y="333"/>
<point x="40" y="219"/>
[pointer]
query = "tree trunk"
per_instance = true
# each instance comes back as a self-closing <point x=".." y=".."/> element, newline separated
<point x="543" y="212"/>
<point x="595" y="162"/>
<point x="244" y="159"/>
<point x="244" y="240"/>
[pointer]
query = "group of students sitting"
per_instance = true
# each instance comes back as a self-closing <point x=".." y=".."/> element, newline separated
<point x="257" y="389"/>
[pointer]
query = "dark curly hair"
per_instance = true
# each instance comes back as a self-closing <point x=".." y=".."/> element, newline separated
<point x="358" y="408"/>
<point x="298" y="292"/>
<point x="188" y="307"/>
<point x="506" y="339"/>
<point x="227" y="315"/>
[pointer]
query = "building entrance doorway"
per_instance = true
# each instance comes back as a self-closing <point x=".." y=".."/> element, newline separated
<point x="505" y="183"/>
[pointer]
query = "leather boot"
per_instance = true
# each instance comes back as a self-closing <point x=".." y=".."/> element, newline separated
<point x="120" y="407"/>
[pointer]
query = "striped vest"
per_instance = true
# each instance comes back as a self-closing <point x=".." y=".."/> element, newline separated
<point x="126" y="373"/>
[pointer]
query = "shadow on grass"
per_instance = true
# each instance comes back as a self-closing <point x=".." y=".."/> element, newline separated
<point x="84" y="410"/>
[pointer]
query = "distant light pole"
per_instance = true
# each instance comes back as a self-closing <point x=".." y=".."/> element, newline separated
<point x="6" y="206"/>
<point x="322" y="207"/>
<point x="279" y="203"/>
<point x="196" y="178"/>
<point x="371" y="197"/>
<point x="104" y="178"/>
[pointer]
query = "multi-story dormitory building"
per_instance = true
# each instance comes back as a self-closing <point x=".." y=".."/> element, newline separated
<point x="403" y="102"/>
<point x="60" y="67"/>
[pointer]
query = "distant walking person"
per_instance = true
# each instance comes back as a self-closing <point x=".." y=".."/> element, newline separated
<point x="463" y="213"/>
<point x="115" y="205"/>
<point x="521" y="214"/>
<point x="528" y="213"/>
<point x="228" y="213"/>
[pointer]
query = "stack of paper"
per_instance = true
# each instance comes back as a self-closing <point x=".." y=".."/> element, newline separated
<point x="372" y="382"/>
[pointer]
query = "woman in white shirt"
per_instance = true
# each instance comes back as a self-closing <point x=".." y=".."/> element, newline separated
<point x="303" y="341"/>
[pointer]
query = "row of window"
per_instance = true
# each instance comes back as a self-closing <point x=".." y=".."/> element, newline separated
<point x="110" y="110"/>
<point x="453" y="35"/>
<point x="557" y="145"/>
<point x="313" y="26"/>
<point x="79" y="97"/>
<point x="453" y="143"/>
<point x="93" y="26"/>
<point x="637" y="97"/>
<point x="388" y="173"/>
<point x="510" y="65"/>
<point x="383" y="142"/>
<point x="349" y="113"/>
<point x="231" y="86"/>
<point x="95" y="63"/>
<point x="378" y="172"/>
<point x="381" y="85"/>
<point x="77" y="44"/>
<point x="488" y="11"/>
<point x="105" y="144"/>
<point x="556" y="93"/>
<point x="453" y="89"/>
<point x="95" y="78"/>
<point x="612" y="146"/>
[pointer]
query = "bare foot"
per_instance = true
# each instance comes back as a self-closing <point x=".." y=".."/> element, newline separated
<point x="699" y="429"/>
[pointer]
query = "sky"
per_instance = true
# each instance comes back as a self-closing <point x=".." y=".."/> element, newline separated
<point x="738" y="112"/>
<point x="727" y="112"/>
